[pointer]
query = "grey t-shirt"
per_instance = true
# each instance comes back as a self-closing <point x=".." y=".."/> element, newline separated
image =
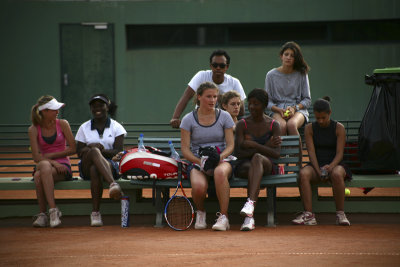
<point x="212" y="135"/>
<point x="288" y="90"/>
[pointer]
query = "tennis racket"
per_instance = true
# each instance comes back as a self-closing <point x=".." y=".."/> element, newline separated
<point x="178" y="211"/>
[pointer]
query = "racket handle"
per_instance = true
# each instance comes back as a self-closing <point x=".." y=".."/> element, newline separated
<point x="180" y="171"/>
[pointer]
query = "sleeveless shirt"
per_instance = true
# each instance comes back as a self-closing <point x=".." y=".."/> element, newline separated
<point x="57" y="146"/>
<point x="325" y="141"/>
<point x="263" y="138"/>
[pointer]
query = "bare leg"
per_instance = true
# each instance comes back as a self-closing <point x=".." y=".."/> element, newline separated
<point x="95" y="166"/>
<point x="221" y="174"/>
<point x="337" y="178"/>
<point x="94" y="157"/>
<point x="293" y="126"/>
<point x="39" y="192"/>
<point x="294" y="123"/>
<point x="199" y="188"/>
<point x="260" y="165"/>
<point x="307" y="176"/>
<point x="282" y="123"/>
<point x="44" y="178"/>
<point x="96" y="187"/>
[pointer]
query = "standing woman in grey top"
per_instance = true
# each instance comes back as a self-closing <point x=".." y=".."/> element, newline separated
<point x="204" y="127"/>
<point x="289" y="90"/>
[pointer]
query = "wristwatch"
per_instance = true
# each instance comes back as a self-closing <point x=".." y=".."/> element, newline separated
<point x="297" y="107"/>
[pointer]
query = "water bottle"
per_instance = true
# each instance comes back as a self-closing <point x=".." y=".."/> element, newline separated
<point x="174" y="154"/>
<point x="124" y="211"/>
<point x="324" y="174"/>
<point x="141" y="147"/>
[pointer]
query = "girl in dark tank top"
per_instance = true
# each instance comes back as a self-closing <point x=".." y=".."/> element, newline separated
<point x="325" y="141"/>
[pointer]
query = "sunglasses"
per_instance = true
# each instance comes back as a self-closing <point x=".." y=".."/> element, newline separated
<point x="216" y="65"/>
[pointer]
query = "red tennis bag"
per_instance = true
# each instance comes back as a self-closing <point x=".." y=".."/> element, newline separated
<point x="151" y="164"/>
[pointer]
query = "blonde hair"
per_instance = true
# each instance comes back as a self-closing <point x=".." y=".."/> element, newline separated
<point x="36" y="115"/>
<point x="204" y="86"/>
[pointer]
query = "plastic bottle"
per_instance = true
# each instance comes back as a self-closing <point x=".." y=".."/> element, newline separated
<point x="324" y="174"/>
<point x="124" y="211"/>
<point x="174" y="154"/>
<point x="141" y="147"/>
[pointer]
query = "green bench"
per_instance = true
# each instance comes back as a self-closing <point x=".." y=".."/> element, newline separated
<point x="16" y="158"/>
<point x="14" y="154"/>
<point x="16" y="167"/>
<point x="363" y="177"/>
<point x="290" y="159"/>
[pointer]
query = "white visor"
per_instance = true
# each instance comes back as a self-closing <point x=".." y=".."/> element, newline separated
<point x="52" y="104"/>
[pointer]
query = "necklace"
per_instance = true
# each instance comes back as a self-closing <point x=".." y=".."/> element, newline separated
<point x="287" y="78"/>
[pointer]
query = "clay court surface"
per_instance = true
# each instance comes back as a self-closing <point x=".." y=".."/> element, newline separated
<point x="372" y="240"/>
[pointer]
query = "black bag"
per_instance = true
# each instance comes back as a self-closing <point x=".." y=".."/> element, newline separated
<point x="213" y="158"/>
<point x="379" y="133"/>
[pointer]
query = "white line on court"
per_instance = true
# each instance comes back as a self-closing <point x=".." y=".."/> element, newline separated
<point x="158" y="254"/>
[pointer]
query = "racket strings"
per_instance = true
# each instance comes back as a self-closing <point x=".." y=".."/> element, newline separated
<point x="179" y="213"/>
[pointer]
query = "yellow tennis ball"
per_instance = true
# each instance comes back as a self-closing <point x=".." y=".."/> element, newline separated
<point x="286" y="113"/>
<point x="347" y="192"/>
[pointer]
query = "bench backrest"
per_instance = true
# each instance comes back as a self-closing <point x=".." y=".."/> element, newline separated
<point x="290" y="150"/>
<point x="16" y="158"/>
<point x="290" y="154"/>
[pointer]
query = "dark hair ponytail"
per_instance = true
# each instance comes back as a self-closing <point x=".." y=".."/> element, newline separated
<point x="112" y="107"/>
<point x="322" y="104"/>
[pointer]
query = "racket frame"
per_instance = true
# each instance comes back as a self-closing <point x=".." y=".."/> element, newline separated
<point x="179" y="184"/>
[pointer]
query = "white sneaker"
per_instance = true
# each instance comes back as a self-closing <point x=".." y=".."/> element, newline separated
<point x="341" y="219"/>
<point x="305" y="218"/>
<point x="41" y="220"/>
<point x="248" y="224"/>
<point x="115" y="191"/>
<point x="95" y="219"/>
<point x="222" y="223"/>
<point x="248" y="208"/>
<point x="200" y="220"/>
<point x="55" y="215"/>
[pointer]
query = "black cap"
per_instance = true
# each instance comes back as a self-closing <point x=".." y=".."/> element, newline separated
<point x="99" y="97"/>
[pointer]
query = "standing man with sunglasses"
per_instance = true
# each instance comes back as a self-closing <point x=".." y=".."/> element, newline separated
<point x="219" y="64"/>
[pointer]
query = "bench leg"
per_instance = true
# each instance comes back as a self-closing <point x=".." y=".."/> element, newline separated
<point x="314" y="197"/>
<point x="159" y="208"/>
<point x="271" y="206"/>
